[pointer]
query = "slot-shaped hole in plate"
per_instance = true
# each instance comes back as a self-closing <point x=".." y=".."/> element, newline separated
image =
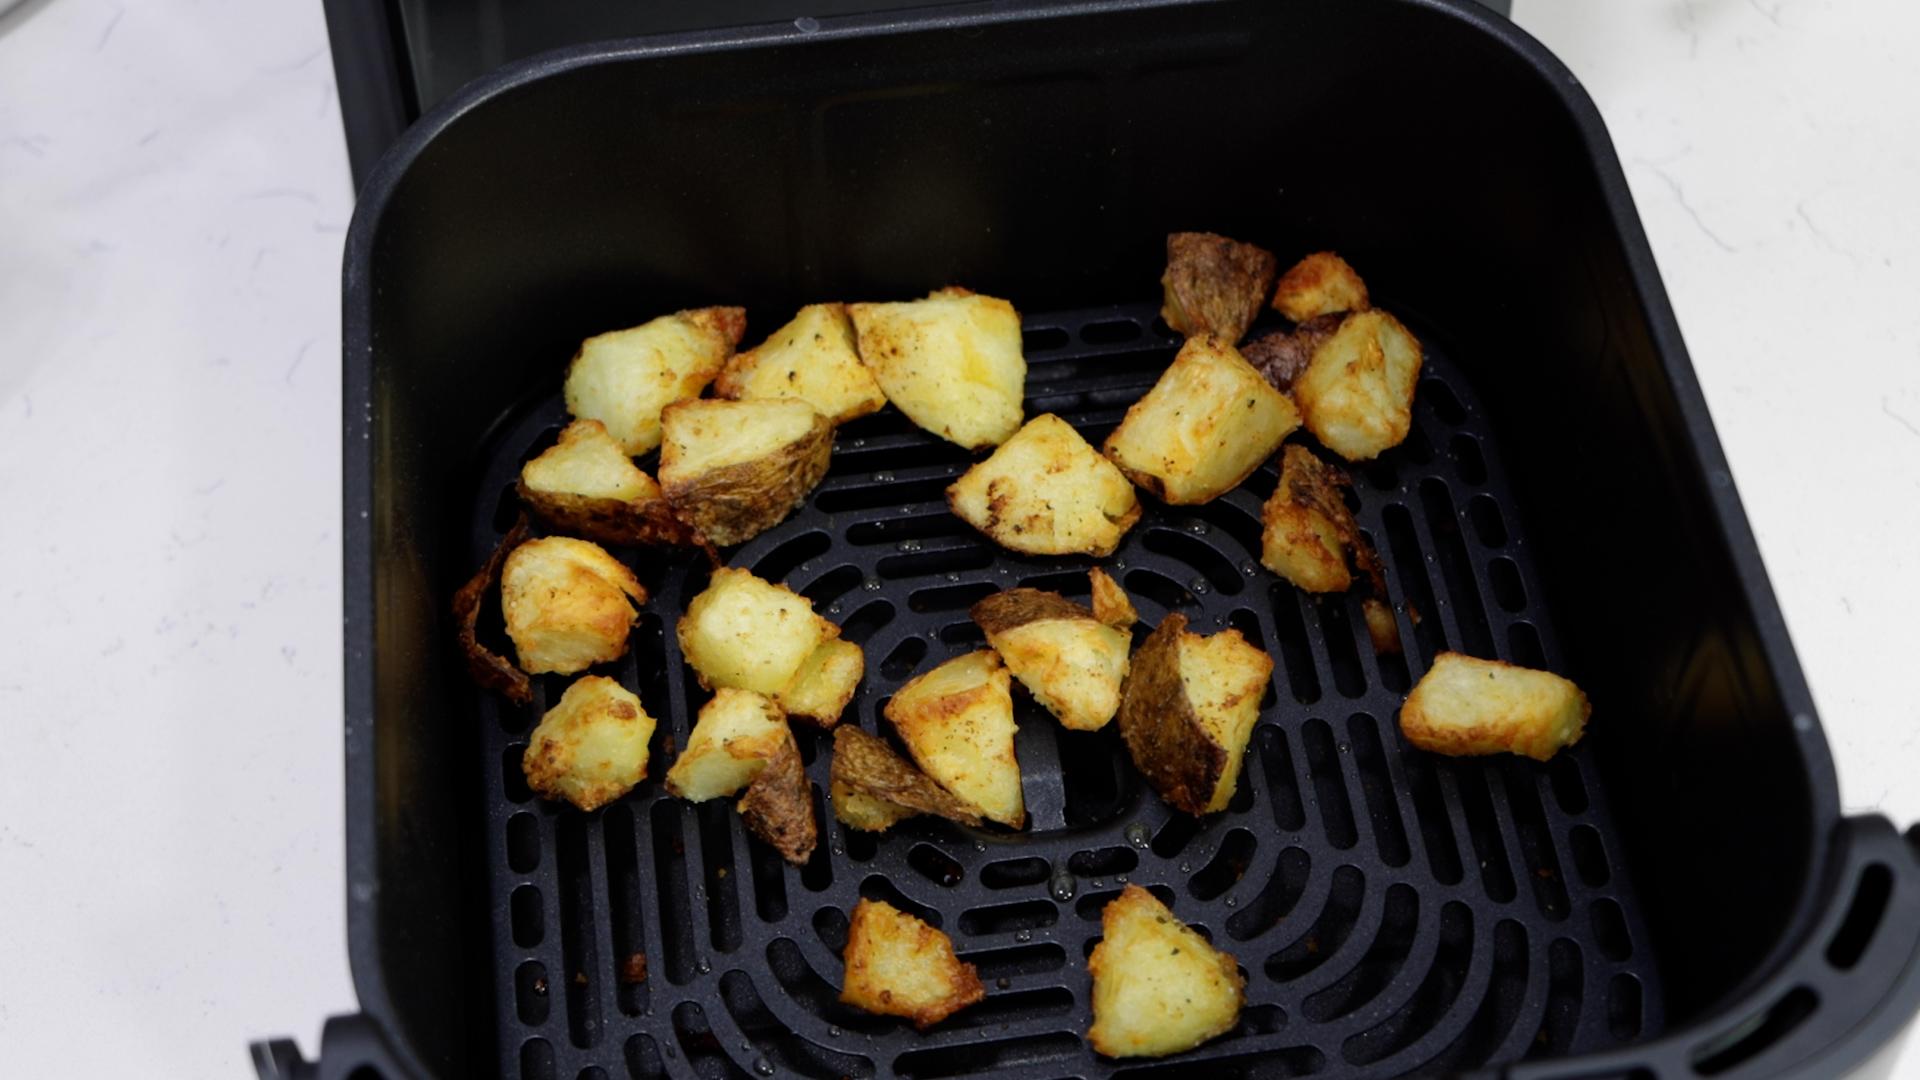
<point x="878" y="887"/>
<point x="1009" y="918"/>
<point x="1488" y="525"/>
<point x="1430" y="811"/>
<point x="1215" y="572"/>
<point x="1330" y="788"/>
<point x="530" y="999"/>
<point x="523" y="843"/>
<point x="958" y="597"/>
<point x="1276" y="899"/>
<point x="1377" y="789"/>
<point x="1330" y="929"/>
<point x="791" y="554"/>
<point x="1468" y="461"/>
<point x="1228" y="866"/>
<point x="1090" y="905"/>
<point x="624" y="900"/>
<point x="1016" y="873"/>
<point x="904" y="658"/>
<point x="949" y="558"/>
<point x="1290" y="630"/>
<point x="1381" y="963"/>
<point x="936" y="866"/>
<point x="1110" y="332"/>
<point x="1863" y="916"/>
<point x="1103" y="862"/>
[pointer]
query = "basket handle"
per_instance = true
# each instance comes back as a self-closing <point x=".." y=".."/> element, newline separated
<point x="348" y="1044"/>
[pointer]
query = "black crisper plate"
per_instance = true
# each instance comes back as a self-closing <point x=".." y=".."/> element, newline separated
<point x="1393" y="911"/>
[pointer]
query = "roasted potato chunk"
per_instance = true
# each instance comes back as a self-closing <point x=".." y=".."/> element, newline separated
<point x="1214" y="285"/>
<point x="874" y="788"/>
<point x="1356" y="396"/>
<point x="900" y="966"/>
<point x="1111" y="605"/>
<point x="568" y="604"/>
<point x="957" y="722"/>
<point x="750" y="634"/>
<point x="1070" y="661"/>
<point x="1047" y="492"/>
<point x="951" y="362"/>
<point x="812" y="358"/>
<point x="1464" y="705"/>
<point x="825" y="682"/>
<point x="489" y="668"/>
<point x="778" y="806"/>
<point x="1204" y="427"/>
<point x="1188" y="709"/>
<point x="734" y="469"/>
<point x="1320" y="284"/>
<point x="735" y="736"/>
<point x="591" y="748"/>
<point x="1382" y="628"/>
<point x="1159" y="988"/>
<point x="1284" y="354"/>
<point x="624" y="378"/>
<point x="1307" y="526"/>
<point x="586" y="484"/>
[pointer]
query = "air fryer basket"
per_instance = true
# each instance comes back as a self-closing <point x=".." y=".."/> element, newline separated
<point x="1676" y="897"/>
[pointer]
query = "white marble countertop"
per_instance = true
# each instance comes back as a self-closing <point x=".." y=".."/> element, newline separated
<point x="173" y="196"/>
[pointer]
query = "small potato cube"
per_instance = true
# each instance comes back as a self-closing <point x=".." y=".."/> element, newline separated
<point x="812" y="358"/>
<point x="778" y="806"/>
<point x="737" y="733"/>
<point x="624" y="378"/>
<point x="1320" y="284"/>
<point x="1382" y="628"/>
<point x="734" y="469"/>
<point x="750" y="634"/>
<point x="591" y="748"/>
<point x="568" y="604"/>
<point x="951" y="362"/>
<point x="1306" y="525"/>
<point x="1111" y="605"/>
<point x="1464" y="705"/>
<point x="825" y="682"/>
<point x="874" y="788"/>
<point x="900" y="966"/>
<point x="1159" y="988"/>
<point x="1188" y="709"/>
<point x="1071" y="662"/>
<point x="957" y="722"/>
<point x="586" y="484"/>
<point x="1214" y="285"/>
<point x="1356" y="395"/>
<point x="1204" y="427"/>
<point x="1047" y="492"/>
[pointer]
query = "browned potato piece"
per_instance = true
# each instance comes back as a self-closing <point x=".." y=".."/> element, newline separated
<point x="748" y="633"/>
<point x="1071" y="662"/>
<point x="735" y="736"/>
<point x="1214" y="285"/>
<point x="900" y="966"/>
<point x="1111" y="605"/>
<point x="778" y="806"/>
<point x="591" y="748"/>
<point x="734" y="469"/>
<point x="624" y="378"/>
<point x="951" y="362"/>
<point x="568" y="604"/>
<point x="1464" y="705"/>
<point x="1204" y="427"/>
<point x="812" y="358"/>
<point x="873" y="787"/>
<point x="1047" y="492"/>
<point x="1159" y="988"/>
<point x="1382" y="628"/>
<point x="1357" y="394"/>
<point x="1307" y="526"/>
<point x="820" y="690"/>
<point x="1284" y="354"/>
<point x="489" y="668"/>
<point x="957" y="722"/>
<point x="1188" y="709"/>
<point x="586" y="484"/>
<point x="1320" y="284"/>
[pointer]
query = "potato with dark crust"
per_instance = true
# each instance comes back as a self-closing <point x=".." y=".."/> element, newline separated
<point x="874" y="788"/>
<point x="1047" y="492"/>
<point x="1356" y="395"/>
<point x="734" y="469"/>
<point x="734" y="737"/>
<point x="1159" y="987"/>
<point x="1205" y="426"/>
<point x="778" y="806"/>
<point x="1188" y="709"/>
<point x="591" y="747"/>
<point x="1284" y="354"/>
<point x="568" y="604"/>
<point x="951" y="362"/>
<point x="1320" y="284"/>
<point x="586" y="484"/>
<point x="957" y="723"/>
<point x="489" y="668"/>
<point x="1467" y="706"/>
<point x="1306" y="526"/>
<point x="812" y="358"/>
<point x="1214" y="285"/>
<point x="897" y="965"/>
<point x="1070" y="661"/>
<point x="624" y="378"/>
<point x="1111" y="604"/>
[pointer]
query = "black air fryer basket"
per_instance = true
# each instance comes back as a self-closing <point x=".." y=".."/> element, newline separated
<point x="1678" y="896"/>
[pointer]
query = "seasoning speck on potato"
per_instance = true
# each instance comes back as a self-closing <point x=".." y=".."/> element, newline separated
<point x="568" y="604"/>
<point x="591" y="747"/>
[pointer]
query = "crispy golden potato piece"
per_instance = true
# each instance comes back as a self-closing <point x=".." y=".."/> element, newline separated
<point x="1047" y="492"/>
<point x="826" y="681"/>
<point x="750" y="634"/>
<point x="1204" y="427"/>
<point x="586" y="484"/>
<point x="1382" y="628"/>
<point x="900" y="966"/>
<point x="812" y="358"/>
<point x="1214" y="285"/>
<point x="734" y="469"/>
<point x="1357" y="394"/>
<point x="1284" y="354"/>
<point x="1159" y="988"/>
<point x="624" y="378"/>
<point x="735" y="736"/>
<point x="874" y="788"/>
<point x="957" y="722"/>
<point x="489" y="668"/>
<point x="1307" y="526"/>
<point x="568" y="604"/>
<point x="951" y="362"/>
<point x="1464" y="705"/>
<point x="1070" y="661"/>
<point x="1320" y="284"/>
<point x="1111" y="605"/>
<point x="591" y="748"/>
<point x="778" y="806"/>
<point x="1188" y="709"/>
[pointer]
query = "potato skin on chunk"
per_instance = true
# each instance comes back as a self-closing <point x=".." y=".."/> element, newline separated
<point x="1188" y="709"/>
<point x="732" y="470"/>
<point x="1214" y="285"/>
<point x="1070" y="661"/>
<point x="778" y="806"/>
<point x="586" y="484"/>
<point x="1159" y="988"/>
<point x="900" y="966"/>
<point x="873" y="787"/>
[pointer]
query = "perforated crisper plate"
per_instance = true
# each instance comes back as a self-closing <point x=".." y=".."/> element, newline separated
<point x="1393" y="911"/>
